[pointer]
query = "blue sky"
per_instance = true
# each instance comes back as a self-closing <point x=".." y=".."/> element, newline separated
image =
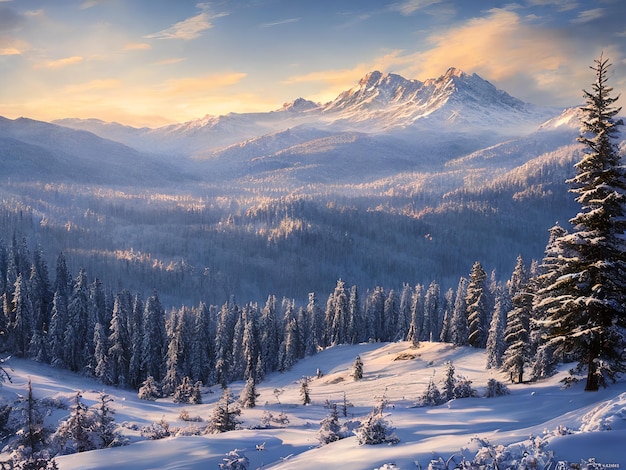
<point x="152" y="62"/>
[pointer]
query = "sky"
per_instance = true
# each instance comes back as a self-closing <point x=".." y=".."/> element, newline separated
<point x="154" y="62"/>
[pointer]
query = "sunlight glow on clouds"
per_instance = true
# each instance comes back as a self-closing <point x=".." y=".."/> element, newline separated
<point x="59" y="63"/>
<point x="190" y="28"/>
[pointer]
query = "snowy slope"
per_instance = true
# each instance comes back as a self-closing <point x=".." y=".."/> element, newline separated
<point x="393" y="370"/>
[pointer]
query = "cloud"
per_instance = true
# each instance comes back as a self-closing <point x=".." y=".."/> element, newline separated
<point x="171" y="61"/>
<point x="10" y="51"/>
<point x="588" y="15"/>
<point x="408" y="7"/>
<point x="59" y="63"/>
<point x="281" y="22"/>
<point x="189" y="28"/>
<point x="137" y="46"/>
<point x="561" y="5"/>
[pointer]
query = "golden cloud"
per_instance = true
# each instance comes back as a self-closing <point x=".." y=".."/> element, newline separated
<point x="137" y="46"/>
<point x="59" y="63"/>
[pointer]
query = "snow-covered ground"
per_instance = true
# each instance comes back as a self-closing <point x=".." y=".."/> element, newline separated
<point x="571" y="423"/>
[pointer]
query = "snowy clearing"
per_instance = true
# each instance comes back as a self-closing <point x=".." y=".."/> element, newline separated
<point x="576" y="424"/>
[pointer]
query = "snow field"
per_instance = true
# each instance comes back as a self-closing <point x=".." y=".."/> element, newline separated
<point x="393" y="370"/>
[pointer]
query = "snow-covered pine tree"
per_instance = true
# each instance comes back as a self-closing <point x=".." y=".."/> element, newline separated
<point x="305" y="391"/>
<point x="149" y="389"/>
<point x="588" y="307"/>
<point x="496" y="344"/>
<point x="135" y="328"/>
<point x="417" y="317"/>
<point x="357" y="369"/>
<point x="330" y="427"/>
<point x="105" y="429"/>
<point x="225" y="415"/>
<point x="391" y="312"/>
<point x="432" y="395"/>
<point x="459" y="327"/>
<point x="153" y="345"/>
<point x="249" y="394"/>
<point x="356" y="321"/>
<point x="544" y="362"/>
<point x="76" y="434"/>
<point x="476" y="301"/>
<point x="449" y="383"/>
<point x="119" y="339"/>
<point x="75" y="334"/>
<point x="433" y="313"/>
<point x="517" y="354"/>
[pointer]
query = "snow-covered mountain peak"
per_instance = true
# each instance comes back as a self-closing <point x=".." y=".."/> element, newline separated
<point x="299" y="105"/>
<point x="570" y="118"/>
<point x="375" y="90"/>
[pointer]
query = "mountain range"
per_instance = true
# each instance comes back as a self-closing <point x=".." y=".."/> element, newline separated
<point x="395" y="180"/>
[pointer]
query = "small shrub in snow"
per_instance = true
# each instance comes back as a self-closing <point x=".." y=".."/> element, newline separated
<point x="431" y="396"/>
<point x="157" y="430"/>
<point x="185" y="416"/>
<point x="375" y="430"/>
<point x="496" y="389"/>
<point x="234" y="461"/>
<point x="463" y="388"/>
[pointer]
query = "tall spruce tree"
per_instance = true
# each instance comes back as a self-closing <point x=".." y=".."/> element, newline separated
<point x="476" y="301"/>
<point x="587" y="308"/>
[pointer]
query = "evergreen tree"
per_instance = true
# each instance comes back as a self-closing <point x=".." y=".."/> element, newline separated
<point x="317" y="323"/>
<point x="433" y="313"/>
<point x="374" y="314"/>
<point x="417" y="317"/>
<point x="105" y="430"/>
<point x="449" y="384"/>
<point x="184" y="392"/>
<point x="476" y="301"/>
<point x="517" y="333"/>
<point x="76" y="326"/>
<point x="31" y="434"/>
<point x="356" y="321"/>
<point x="587" y="310"/>
<point x="391" y="312"/>
<point x="544" y="361"/>
<point x="357" y="369"/>
<point x="149" y="389"/>
<point x="202" y="348"/>
<point x="496" y="343"/>
<point x="270" y="337"/>
<point x="305" y="391"/>
<point x="102" y="370"/>
<point x="432" y="395"/>
<point x="404" y="320"/>
<point x="289" y="347"/>
<point x="459" y="327"/>
<point x="225" y="415"/>
<point x="153" y="345"/>
<point x="448" y="311"/>
<point x="56" y="332"/>
<point x="136" y="374"/>
<point x="20" y="326"/>
<point x="248" y="394"/>
<point x="76" y="434"/>
<point x="330" y="429"/>
<point x="120" y="346"/>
